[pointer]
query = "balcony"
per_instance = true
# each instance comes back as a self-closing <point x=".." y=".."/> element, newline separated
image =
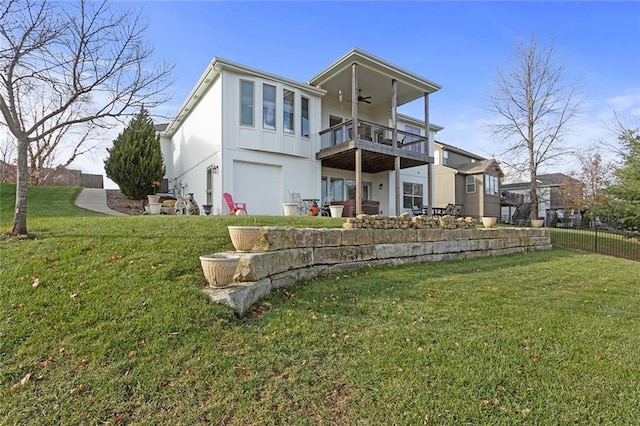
<point x="376" y="142"/>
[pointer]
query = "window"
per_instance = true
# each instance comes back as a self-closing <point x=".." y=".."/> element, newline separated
<point x="412" y="195"/>
<point x="209" y="190"/>
<point x="337" y="192"/>
<point x="416" y="147"/>
<point x="445" y="158"/>
<point x="246" y="103"/>
<point x="471" y="184"/>
<point x="287" y="111"/>
<point x="490" y="185"/>
<point x="269" y="107"/>
<point x="350" y="185"/>
<point x="304" y="118"/>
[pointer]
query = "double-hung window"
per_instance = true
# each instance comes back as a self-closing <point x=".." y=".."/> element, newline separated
<point x="268" y="107"/>
<point x="246" y="103"/>
<point x="471" y="184"/>
<point x="287" y="111"/>
<point x="412" y="195"/>
<point x="304" y="117"/>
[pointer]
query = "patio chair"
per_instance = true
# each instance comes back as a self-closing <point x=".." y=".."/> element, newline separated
<point x="450" y="210"/>
<point x="324" y="209"/>
<point x="233" y="206"/>
<point x="457" y="210"/>
<point x="296" y="198"/>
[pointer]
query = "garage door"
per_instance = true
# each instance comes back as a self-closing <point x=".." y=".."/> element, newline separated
<point x="258" y="185"/>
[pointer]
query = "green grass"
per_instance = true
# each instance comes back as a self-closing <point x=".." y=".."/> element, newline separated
<point x="118" y="331"/>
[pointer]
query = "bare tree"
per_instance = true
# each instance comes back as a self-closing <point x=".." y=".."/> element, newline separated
<point x="66" y="64"/>
<point x="63" y="146"/>
<point x="534" y="103"/>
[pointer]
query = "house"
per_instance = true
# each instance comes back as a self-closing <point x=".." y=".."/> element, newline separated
<point x="462" y="177"/>
<point x="262" y="137"/>
<point x="559" y="197"/>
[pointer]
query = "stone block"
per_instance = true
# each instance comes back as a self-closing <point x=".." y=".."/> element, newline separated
<point x="385" y="251"/>
<point x="255" y="266"/>
<point x="428" y="235"/>
<point x="446" y="247"/>
<point x="357" y="237"/>
<point x="240" y="297"/>
<point x="332" y="255"/>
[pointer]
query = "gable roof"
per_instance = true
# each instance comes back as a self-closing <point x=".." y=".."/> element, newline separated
<point x="461" y="151"/>
<point x="480" y="167"/>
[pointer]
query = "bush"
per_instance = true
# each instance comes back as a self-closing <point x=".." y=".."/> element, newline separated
<point x="135" y="161"/>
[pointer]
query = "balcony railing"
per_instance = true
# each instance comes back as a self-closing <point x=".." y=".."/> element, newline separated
<point x="372" y="132"/>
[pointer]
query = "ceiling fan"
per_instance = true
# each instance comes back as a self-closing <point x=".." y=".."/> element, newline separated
<point x="364" y="99"/>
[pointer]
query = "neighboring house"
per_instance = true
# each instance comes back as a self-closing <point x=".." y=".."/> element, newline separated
<point x="465" y="178"/>
<point x="261" y="137"/>
<point x="58" y="176"/>
<point x="556" y="198"/>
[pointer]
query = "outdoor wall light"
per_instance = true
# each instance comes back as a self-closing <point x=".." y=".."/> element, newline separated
<point x="380" y="186"/>
<point x="215" y="170"/>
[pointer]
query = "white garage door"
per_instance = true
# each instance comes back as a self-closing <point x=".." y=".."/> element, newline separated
<point x="258" y="185"/>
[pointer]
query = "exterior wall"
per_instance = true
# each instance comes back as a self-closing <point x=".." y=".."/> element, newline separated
<point x="282" y="162"/>
<point x="472" y="201"/>
<point x="197" y="144"/>
<point x="491" y="203"/>
<point x="445" y="186"/>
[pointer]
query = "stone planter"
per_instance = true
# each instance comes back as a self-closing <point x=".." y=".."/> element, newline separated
<point x="537" y="223"/>
<point x="290" y="209"/>
<point x="336" y="211"/>
<point x="489" y="221"/>
<point x="218" y="269"/>
<point x="154" y="208"/>
<point x="153" y="198"/>
<point x="244" y="237"/>
<point x="206" y="209"/>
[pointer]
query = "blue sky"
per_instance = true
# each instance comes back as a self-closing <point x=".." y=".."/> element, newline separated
<point x="457" y="44"/>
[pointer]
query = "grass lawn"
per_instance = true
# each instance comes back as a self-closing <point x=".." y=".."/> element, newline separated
<point x="102" y="321"/>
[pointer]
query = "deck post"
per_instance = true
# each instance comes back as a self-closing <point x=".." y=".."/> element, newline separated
<point x="427" y="150"/>
<point x="394" y="121"/>
<point x="355" y="132"/>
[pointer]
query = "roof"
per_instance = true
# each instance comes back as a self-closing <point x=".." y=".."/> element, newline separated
<point x="370" y="61"/>
<point x="479" y="167"/>
<point x="551" y="179"/>
<point x="455" y="149"/>
<point x="211" y="74"/>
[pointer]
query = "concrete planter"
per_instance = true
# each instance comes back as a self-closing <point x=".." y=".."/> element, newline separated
<point x="153" y="198"/>
<point x="336" y="211"/>
<point x="244" y="237"/>
<point x="154" y="208"/>
<point x="289" y="208"/>
<point x="537" y="223"/>
<point x="218" y="269"/>
<point x="489" y="221"/>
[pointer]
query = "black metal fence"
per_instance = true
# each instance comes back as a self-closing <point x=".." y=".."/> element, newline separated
<point x="598" y="240"/>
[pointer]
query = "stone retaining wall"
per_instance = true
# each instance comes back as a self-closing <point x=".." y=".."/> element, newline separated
<point x="283" y="256"/>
